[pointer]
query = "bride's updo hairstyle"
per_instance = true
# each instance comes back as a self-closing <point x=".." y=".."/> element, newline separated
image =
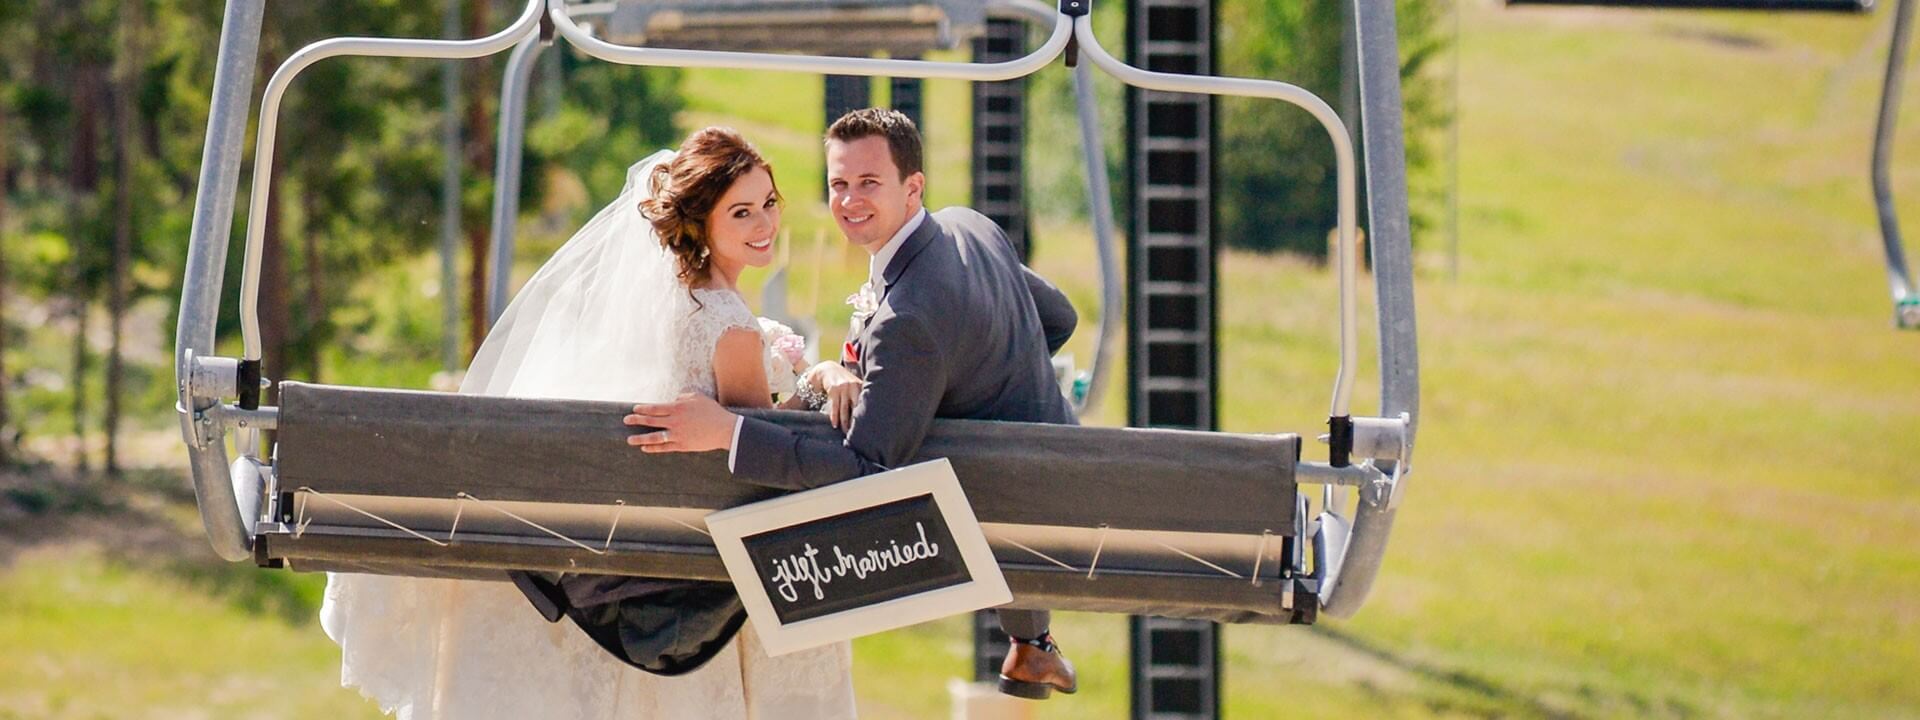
<point x="685" y="190"/>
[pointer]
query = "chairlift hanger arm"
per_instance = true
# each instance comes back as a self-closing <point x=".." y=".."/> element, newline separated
<point x="870" y="67"/>
<point x="220" y="512"/>
<point x="1345" y="177"/>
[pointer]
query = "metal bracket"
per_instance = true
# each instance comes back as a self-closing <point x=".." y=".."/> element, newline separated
<point x="1305" y="601"/>
<point x="1387" y="487"/>
<point x="1381" y="438"/>
<point x="210" y="378"/>
<point x="200" y="427"/>
<point x="206" y="382"/>
<point x="1076" y="8"/>
<point x="1384" y="439"/>
<point x="1373" y="438"/>
<point x="1330" y="537"/>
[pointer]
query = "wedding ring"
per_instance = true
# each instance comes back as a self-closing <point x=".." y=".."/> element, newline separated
<point x="663" y="436"/>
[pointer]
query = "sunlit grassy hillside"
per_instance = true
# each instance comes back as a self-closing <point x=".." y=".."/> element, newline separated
<point x="1666" y="463"/>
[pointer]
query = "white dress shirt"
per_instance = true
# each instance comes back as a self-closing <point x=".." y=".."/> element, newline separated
<point x="876" y="277"/>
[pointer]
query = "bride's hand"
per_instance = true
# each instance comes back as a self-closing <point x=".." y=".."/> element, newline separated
<point x="843" y="392"/>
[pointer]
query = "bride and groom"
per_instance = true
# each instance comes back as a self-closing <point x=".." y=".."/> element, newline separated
<point x="642" y="304"/>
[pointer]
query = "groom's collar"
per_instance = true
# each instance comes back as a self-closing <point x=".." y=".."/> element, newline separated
<point x="915" y="235"/>
<point x="881" y="264"/>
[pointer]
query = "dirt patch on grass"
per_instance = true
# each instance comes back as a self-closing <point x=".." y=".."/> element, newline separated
<point x="43" y="504"/>
<point x="143" y="518"/>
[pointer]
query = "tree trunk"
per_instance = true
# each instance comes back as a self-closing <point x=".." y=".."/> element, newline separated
<point x="81" y="306"/>
<point x="316" y="311"/>
<point x="47" y="72"/>
<point x="124" y="133"/>
<point x="479" y="134"/>
<point x="6" y="424"/>
<point x="83" y="173"/>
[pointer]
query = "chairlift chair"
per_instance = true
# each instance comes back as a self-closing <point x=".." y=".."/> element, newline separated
<point x="436" y="484"/>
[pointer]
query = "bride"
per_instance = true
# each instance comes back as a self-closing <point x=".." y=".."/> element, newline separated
<point x="640" y="305"/>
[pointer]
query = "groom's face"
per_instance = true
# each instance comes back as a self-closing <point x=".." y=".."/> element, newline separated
<point x="869" y="199"/>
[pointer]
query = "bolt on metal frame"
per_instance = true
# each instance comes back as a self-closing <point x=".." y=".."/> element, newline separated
<point x="206" y="381"/>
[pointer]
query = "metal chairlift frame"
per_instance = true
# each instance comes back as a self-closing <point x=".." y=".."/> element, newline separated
<point x="511" y="143"/>
<point x="1347" y="553"/>
<point x="1906" y="297"/>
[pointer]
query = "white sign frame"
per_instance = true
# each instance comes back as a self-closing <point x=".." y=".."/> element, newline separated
<point x="988" y="588"/>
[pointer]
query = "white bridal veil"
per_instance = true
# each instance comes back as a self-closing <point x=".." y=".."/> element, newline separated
<point x="598" y="321"/>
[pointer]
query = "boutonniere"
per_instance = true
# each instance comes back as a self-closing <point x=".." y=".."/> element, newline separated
<point x="864" y="303"/>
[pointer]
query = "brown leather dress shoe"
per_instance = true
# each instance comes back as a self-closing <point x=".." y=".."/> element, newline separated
<point x="1035" y="668"/>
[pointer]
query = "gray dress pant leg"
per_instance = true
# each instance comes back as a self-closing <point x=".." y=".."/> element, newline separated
<point x="1025" y="624"/>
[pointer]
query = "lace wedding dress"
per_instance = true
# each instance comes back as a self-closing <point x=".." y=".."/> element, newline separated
<point x="604" y="319"/>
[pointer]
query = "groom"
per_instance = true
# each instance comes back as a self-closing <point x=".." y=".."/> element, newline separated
<point x="958" y="328"/>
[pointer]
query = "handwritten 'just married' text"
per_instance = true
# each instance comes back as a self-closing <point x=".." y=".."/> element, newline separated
<point x="805" y="568"/>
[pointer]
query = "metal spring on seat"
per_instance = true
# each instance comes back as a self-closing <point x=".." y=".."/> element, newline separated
<point x="342" y="503"/>
<point x="535" y="525"/>
<point x="1260" y="554"/>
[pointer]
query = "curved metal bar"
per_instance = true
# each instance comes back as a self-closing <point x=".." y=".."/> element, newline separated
<point x="526" y="24"/>
<point x="506" y="170"/>
<point x="206" y="264"/>
<point x="1906" y="305"/>
<point x="507" y="167"/>
<point x="1100" y="198"/>
<point x="1377" y="44"/>
<point x="1343" y="163"/>
<point x="628" y="55"/>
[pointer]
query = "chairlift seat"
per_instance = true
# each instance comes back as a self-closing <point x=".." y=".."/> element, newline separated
<point x="439" y="484"/>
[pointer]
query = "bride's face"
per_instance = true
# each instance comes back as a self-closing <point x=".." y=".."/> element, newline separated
<point x="741" y="228"/>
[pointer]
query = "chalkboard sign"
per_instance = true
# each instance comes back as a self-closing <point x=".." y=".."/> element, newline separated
<point x="858" y="557"/>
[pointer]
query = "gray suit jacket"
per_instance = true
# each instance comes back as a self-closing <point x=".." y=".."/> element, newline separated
<point x="963" y="330"/>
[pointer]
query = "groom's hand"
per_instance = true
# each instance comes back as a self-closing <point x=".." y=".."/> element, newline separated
<point x="693" y="423"/>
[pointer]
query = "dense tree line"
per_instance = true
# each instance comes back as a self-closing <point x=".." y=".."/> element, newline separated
<point x="1276" y="172"/>
<point x="103" y="110"/>
<point x="1273" y="172"/>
